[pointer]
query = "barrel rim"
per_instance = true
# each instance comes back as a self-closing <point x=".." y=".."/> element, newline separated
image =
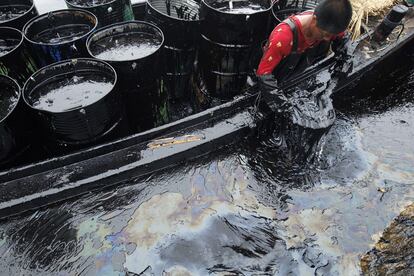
<point x="32" y="78"/>
<point x="67" y="2"/>
<point x="272" y="2"/>
<point x="32" y="7"/>
<point x="32" y="21"/>
<point x="18" y="98"/>
<point x="172" y="17"/>
<point x="106" y="28"/>
<point x="18" y="45"/>
<point x="240" y="46"/>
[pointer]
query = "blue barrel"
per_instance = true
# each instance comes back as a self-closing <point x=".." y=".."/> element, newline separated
<point x="180" y="23"/>
<point x="75" y="102"/>
<point x="107" y="11"/>
<point x="134" y="50"/>
<point x="14" y="127"/>
<point x="16" y="13"/>
<point x="15" y="60"/>
<point x="59" y="35"/>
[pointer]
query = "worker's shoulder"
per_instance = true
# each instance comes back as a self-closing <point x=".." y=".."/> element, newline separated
<point x="282" y="33"/>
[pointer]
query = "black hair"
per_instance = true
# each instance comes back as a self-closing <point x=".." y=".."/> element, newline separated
<point x="333" y="16"/>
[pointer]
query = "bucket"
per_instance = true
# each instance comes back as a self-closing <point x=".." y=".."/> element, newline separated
<point x="235" y="22"/>
<point x="107" y="11"/>
<point x="75" y="102"/>
<point x="180" y="22"/>
<point x="134" y="50"/>
<point x="139" y="9"/>
<point x="16" y="13"/>
<point x="15" y="60"/>
<point x="13" y="125"/>
<point x="59" y="35"/>
<point x="224" y="67"/>
<point x="282" y="9"/>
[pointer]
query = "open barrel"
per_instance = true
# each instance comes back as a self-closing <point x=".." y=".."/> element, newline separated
<point x="134" y="50"/>
<point x="107" y="11"/>
<point x="59" y="35"/>
<point x="232" y="31"/>
<point x="15" y="60"/>
<point x="75" y="102"/>
<point x="16" y="13"/>
<point x="180" y="22"/>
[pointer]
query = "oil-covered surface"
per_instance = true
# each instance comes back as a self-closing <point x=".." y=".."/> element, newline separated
<point x="62" y="34"/>
<point x="70" y="91"/>
<point x="251" y="209"/>
<point x="8" y="100"/>
<point x="7" y="45"/>
<point x="9" y="12"/>
<point x="239" y="7"/>
<point x="129" y="46"/>
<point x="393" y="254"/>
<point x="89" y="3"/>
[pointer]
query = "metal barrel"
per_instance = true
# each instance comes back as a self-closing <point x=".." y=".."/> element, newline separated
<point x="134" y="49"/>
<point x="14" y="125"/>
<point x="232" y="31"/>
<point x="74" y="102"/>
<point x="59" y="35"/>
<point x="15" y="60"/>
<point x="16" y="13"/>
<point x="180" y="22"/>
<point x="107" y="11"/>
<point x="138" y="7"/>
<point x="224" y="67"/>
<point x="235" y="22"/>
<point x="282" y="9"/>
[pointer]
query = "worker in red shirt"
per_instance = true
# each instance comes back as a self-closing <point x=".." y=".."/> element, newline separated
<point x="291" y="42"/>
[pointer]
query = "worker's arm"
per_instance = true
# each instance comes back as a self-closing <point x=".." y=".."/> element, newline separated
<point x="278" y="47"/>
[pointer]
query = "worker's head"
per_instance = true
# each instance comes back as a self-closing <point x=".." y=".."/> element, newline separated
<point x="331" y="17"/>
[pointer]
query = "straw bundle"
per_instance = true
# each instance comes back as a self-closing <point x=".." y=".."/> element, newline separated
<point x="363" y="9"/>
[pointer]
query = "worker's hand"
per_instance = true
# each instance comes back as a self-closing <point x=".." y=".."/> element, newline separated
<point x="340" y="46"/>
<point x="271" y="94"/>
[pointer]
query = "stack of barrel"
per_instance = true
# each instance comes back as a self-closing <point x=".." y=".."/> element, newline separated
<point x="65" y="77"/>
<point x="232" y="32"/>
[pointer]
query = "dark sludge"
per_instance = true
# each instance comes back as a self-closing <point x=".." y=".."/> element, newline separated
<point x="180" y="23"/>
<point x="134" y="50"/>
<point x="232" y="33"/>
<point x="75" y="103"/>
<point x="15" y="60"/>
<point x="107" y="11"/>
<point x="59" y="35"/>
<point x="138" y="9"/>
<point x="16" y="13"/>
<point x="14" y="140"/>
